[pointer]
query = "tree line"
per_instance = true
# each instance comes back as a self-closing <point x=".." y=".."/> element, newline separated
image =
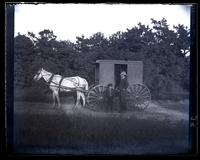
<point x="164" y="52"/>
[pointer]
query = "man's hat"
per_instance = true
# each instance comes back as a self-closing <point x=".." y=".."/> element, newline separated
<point x="123" y="73"/>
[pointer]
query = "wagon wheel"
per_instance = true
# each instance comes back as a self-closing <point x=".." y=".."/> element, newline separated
<point x="95" y="98"/>
<point x="138" y="96"/>
<point x="89" y="87"/>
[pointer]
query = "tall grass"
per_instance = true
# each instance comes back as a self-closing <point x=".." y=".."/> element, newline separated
<point x="85" y="134"/>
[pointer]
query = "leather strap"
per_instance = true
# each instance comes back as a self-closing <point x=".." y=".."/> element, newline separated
<point x="60" y="83"/>
<point x="50" y="79"/>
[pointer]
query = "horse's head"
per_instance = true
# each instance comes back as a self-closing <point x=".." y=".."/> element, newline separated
<point x="38" y="75"/>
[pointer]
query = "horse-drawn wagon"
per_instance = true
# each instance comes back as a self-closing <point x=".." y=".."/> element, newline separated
<point x="106" y="72"/>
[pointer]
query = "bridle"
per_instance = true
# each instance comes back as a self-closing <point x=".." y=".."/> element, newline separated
<point x="40" y="72"/>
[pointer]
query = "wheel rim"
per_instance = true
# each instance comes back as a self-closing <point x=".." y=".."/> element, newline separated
<point x="138" y="96"/>
<point x="95" y="98"/>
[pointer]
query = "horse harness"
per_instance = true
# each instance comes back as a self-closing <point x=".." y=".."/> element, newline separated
<point x="50" y="79"/>
<point x="59" y="84"/>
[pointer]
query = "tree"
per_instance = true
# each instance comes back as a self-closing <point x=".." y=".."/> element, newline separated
<point x="171" y="64"/>
<point x="164" y="52"/>
<point x="23" y="60"/>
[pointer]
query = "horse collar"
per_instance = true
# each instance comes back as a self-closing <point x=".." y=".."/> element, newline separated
<point x="50" y="79"/>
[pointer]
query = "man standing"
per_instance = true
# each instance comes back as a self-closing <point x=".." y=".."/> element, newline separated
<point x="123" y="85"/>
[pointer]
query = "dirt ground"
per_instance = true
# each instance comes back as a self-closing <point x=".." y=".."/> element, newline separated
<point x="160" y="129"/>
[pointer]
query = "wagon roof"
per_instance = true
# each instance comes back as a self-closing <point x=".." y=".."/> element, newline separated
<point x="117" y="61"/>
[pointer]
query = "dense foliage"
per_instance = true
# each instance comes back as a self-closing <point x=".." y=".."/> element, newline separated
<point x="163" y="52"/>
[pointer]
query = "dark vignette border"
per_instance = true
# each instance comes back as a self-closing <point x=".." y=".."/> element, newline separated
<point x="193" y="127"/>
<point x="9" y="35"/>
<point x="9" y="65"/>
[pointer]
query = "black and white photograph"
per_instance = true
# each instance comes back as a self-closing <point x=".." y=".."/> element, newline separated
<point x="102" y="79"/>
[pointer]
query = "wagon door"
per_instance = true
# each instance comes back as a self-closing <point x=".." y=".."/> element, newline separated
<point x="135" y="72"/>
<point x="118" y="69"/>
<point x="106" y="73"/>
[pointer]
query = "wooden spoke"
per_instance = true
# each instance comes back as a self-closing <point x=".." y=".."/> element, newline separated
<point x="95" y="98"/>
<point x="138" y="96"/>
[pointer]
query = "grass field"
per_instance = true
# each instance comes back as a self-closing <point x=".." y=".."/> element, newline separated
<point x="160" y="129"/>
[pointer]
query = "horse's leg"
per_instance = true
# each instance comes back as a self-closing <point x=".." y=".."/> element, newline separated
<point x="83" y="98"/>
<point x="77" y="98"/>
<point x="54" y="100"/>
<point x="58" y="99"/>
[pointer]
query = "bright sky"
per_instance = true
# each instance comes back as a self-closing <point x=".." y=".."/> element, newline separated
<point x="70" y="20"/>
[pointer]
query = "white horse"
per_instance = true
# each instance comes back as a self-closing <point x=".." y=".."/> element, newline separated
<point x="67" y="84"/>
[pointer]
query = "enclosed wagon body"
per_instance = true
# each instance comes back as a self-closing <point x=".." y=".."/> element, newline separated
<point x="108" y="72"/>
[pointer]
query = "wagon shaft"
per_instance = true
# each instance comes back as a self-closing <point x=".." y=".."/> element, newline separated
<point x="68" y="88"/>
